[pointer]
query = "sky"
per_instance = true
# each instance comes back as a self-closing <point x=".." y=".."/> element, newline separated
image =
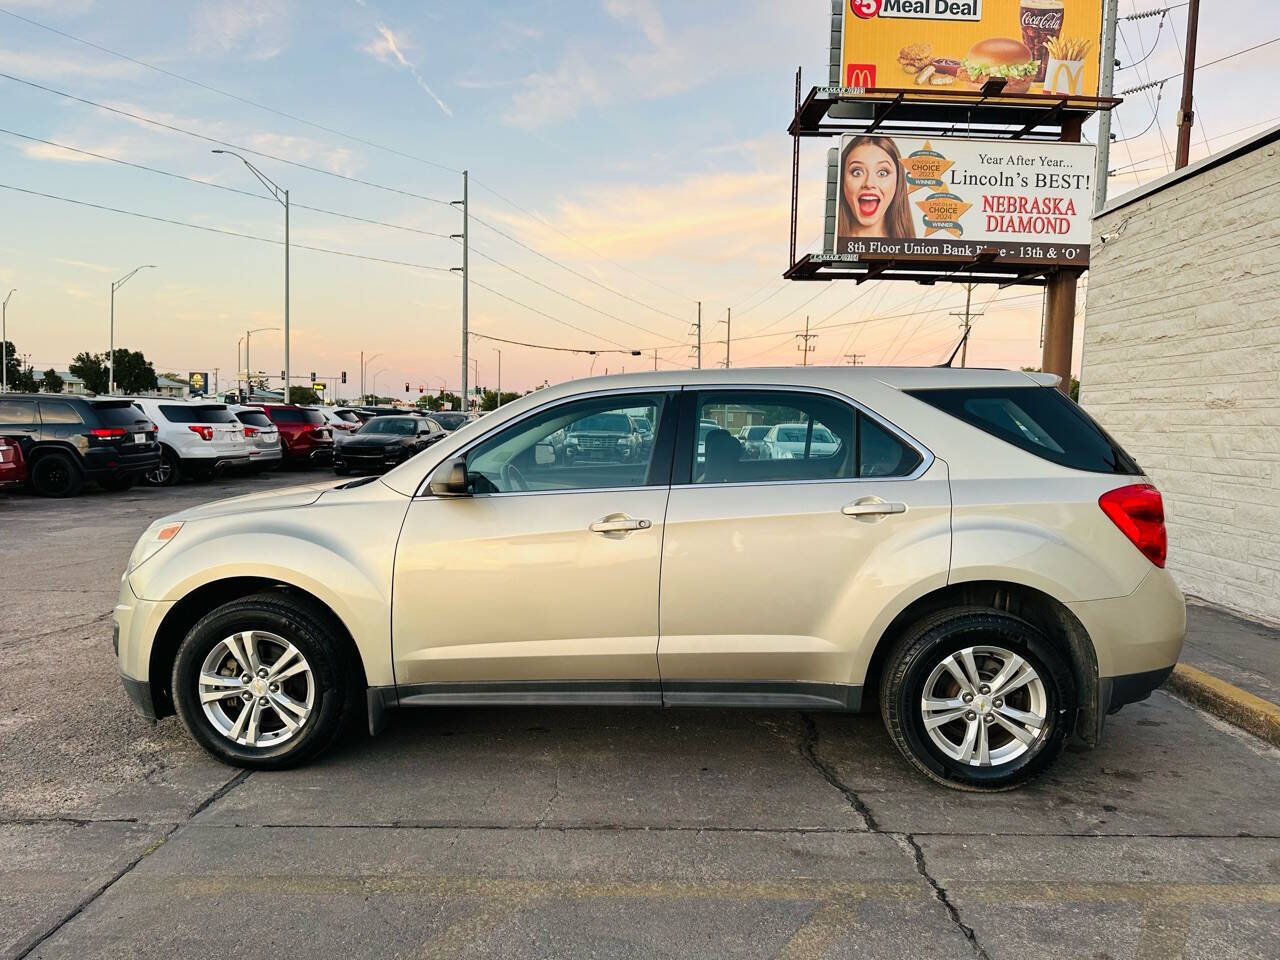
<point x="627" y="159"/>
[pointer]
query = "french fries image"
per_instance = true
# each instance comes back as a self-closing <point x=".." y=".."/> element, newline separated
<point x="1068" y="49"/>
<point x="1064" y="72"/>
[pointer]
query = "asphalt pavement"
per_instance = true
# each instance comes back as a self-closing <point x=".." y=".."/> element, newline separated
<point x="578" y="832"/>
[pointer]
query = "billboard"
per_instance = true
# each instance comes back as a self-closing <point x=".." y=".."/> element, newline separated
<point x="199" y="383"/>
<point x="951" y="199"/>
<point x="1036" y="46"/>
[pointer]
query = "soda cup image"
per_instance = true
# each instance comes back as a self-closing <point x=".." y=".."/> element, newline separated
<point x="1041" y="22"/>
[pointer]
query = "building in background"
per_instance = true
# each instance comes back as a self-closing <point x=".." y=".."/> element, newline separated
<point x="1182" y="362"/>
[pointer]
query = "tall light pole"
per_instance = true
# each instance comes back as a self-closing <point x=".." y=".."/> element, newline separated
<point x="364" y="366"/>
<point x="4" y="343"/>
<point x="281" y="196"/>
<point x="375" y="382"/>
<point x="499" y="353"/>
<point x="463" y="236"/>
<point x="248" y="370"/>
<point x="111" y="347"/>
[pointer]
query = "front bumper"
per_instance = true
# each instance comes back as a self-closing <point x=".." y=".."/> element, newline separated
<point x="135" y="625"/>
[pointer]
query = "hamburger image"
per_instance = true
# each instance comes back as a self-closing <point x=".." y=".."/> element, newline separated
<point x="1002" y="57"/>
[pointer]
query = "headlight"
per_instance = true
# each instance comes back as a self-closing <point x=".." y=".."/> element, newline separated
<point x="151" y="542"/>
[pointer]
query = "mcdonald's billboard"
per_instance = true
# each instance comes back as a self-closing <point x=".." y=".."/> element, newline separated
<point x="1035" y="46"/>
<point x="953" y="199"/>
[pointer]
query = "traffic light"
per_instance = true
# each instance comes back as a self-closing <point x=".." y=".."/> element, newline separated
<point x="344" y="376"/>
<point x="420" y="388"/>
<point x="313" y="375"/>
<point x="406" y="386"/>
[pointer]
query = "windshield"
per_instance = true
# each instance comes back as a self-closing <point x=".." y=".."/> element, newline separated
<point x="450" y="421"/>
<point x="346" y="415"/>
<point x="255" y="418"/>
<point x="401" y="426"/>
<point x="196" y="413"/>
<point x="756" y="433"/>
<point x="118" y="414"/>
<point x="603" y="423"/>
<point x="296" y="415"/>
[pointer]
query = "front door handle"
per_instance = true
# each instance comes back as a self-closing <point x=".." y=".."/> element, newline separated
<point x="872" y="507"/>
<point x="618" y="523"/>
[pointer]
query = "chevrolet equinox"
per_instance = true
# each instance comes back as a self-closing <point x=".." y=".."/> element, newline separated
<point x="965" y="549"/>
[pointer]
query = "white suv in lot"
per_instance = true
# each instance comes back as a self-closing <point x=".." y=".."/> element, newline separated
<point x="964" y="549"/>
<point x="198" y="438"/>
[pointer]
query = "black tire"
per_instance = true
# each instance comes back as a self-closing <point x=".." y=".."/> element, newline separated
<point x="118" y="482"/>
<point x="926" y="645"/>
<point x="56" y="475"/>
<point x="168" y="473"/>
<point x="309" y="628"/>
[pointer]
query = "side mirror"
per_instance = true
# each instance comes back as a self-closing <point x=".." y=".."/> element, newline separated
<point x="450" y="479"/>
<point x="544" y="454"/>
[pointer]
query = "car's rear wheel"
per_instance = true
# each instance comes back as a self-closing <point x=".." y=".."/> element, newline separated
<point x="263" y="682"/>
<point x="978" y="699"/>
<point x="168" y="471"/>
<point x="56" y="475"/>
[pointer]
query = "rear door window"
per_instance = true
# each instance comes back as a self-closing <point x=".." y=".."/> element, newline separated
<point x="1039" y="420"/>
<point x="58" y="411"/>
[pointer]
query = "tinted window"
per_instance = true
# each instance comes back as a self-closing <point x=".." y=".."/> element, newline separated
<point x="296" y="415"/>
<point x="254" y="418"/>
<point x="17" y="411"/>
<point x="121" y="414"/>
<point x="1039" y="420"/>
<point x="401" y="426"/>
<point x="806" y="437"/>
<point x="196" y="413"/>
<point x="450" y="421"/>
<point x="58" y="411"/>
<point x="346" y="415"/>
<point x="583" y="445"/>
<point x="881" y="454"/>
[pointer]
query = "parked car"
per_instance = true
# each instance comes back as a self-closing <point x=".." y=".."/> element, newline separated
<point x="13" y="469"/>
<point x="451" y="420"/>
<point x="261" y="436"/>
<point x="752" y="440"/>
<point x="976" y="556"/>
<point x="610" y="436"/>
<point x="66" y="440"/>
<point x="385" y="442"/>
<point x="342" y="420"/>
<point x="787" y="441"/>
<point x="198" y="438"/>
<point x="305" y="435"/>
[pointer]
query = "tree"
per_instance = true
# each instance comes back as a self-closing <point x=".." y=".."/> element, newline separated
<point x="303" y="395"/>
<point x="92" y="369"/>
<point x="489" y="399"/>
<point x="134" y="373"/>
<point x="11" y="362"/>
<point x="52" y="383"/>
<point x="25" y="381"/>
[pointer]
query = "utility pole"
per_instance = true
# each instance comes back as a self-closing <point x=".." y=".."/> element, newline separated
<point x="4" y="344"/>
<point x="855" y="359"/>
<point x="111" y="346"/>
<point x="698" y="329"/>
<point x="499" y="353"/>
<point x="968" y="316"/>
<point x="1105" y="85"/>
<point x="463" y="236"/>
<point x="806" y="347"/>
<point x="362" y="376"/>
<point x="1186" y="114"/>
<point x="655" y="358"/>
<point x="728" y="334"/>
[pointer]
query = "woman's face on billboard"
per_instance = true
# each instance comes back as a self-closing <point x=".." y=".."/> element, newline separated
<point x="870" y="181"/>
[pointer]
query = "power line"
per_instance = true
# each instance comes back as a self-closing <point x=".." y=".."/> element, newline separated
<point x="591" y="351"/>
<point x="223" y="232"/>
<point x="219" y="186"/>
<point x="1201" y="66"/>
<point x="223" y="143"/>
<point x="224" y="93"/>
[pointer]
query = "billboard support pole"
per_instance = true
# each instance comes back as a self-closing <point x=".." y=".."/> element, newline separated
<point x="1186" y="113"/>
<point x="1106" y="82"/>
<point x="795" y="174"/>
<point x="1060" y="315"/>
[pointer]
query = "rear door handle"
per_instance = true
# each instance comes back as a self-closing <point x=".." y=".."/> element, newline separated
<point x="619" y="524"/>
<point x="872" y="506"/>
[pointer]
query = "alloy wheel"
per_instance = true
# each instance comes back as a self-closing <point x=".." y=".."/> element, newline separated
<point x="256" y="689"/>
<point x="984" y="706"/>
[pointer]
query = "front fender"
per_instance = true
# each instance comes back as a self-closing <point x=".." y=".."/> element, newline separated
<point x="340" y="550"/>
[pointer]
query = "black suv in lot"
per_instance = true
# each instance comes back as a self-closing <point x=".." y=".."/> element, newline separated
<point x="67" y="440"/>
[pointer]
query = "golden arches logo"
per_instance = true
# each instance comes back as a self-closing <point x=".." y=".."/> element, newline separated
<point x="1065" y="77"/>
<point x="860" y="75"/>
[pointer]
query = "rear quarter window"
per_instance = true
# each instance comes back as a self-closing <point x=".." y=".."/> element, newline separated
<point x="1039" y="420"/>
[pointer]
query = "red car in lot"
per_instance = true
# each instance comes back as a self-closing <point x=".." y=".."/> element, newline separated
<point x="305" y="435"/>
<point x="13" y="470"/>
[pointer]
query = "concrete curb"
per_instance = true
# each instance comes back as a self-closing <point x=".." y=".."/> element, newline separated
<point x="1227" y="702"/>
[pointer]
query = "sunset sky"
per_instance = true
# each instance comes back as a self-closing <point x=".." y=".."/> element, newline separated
<point x="639" y="145"/>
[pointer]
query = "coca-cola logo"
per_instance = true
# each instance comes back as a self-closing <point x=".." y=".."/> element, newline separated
<point x="1050" y="20"/>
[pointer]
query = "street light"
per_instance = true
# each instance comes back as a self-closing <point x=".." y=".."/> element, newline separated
<point x="4" y="343"/>
<point x="499" y="353"/>
<point x="248" y="370"/>
<point x="375" y="382"/>
<point x="111" y="350"/>
<point x="281" y="196"/>
<point x="364" y="367"/>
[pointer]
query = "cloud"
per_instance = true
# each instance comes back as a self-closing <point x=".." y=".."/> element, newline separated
<point x="255" y="29"/>
<point x="48" y="67"/>
<point x="389" y="48"/>
<point x="85" y="265"/>
<point x="644" y="13"/>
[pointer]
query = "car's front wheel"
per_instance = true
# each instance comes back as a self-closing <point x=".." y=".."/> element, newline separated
<point x="978" y="699"/>
<point x="263" y="682"/>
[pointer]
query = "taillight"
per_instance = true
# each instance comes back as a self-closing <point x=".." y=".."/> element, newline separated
<point x="250" y="431"/>
<point x="107" y="433"/>
<point x="1138" y="510"/>
<point x="7" y="454"/>
<point x="206" y="433"/>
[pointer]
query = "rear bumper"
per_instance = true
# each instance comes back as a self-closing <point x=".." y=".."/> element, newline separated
<point x="103" y="462"/>
<point x="1116" y="692"/>
<point x="1138" y="634"/>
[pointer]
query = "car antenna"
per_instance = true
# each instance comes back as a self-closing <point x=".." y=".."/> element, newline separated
<point x="963" y="338"/>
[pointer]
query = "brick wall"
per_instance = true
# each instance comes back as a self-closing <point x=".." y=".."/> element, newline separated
<point x="1181" y="363"/>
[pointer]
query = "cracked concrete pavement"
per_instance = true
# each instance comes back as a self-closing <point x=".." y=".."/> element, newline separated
<point x="579" y="832"/>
